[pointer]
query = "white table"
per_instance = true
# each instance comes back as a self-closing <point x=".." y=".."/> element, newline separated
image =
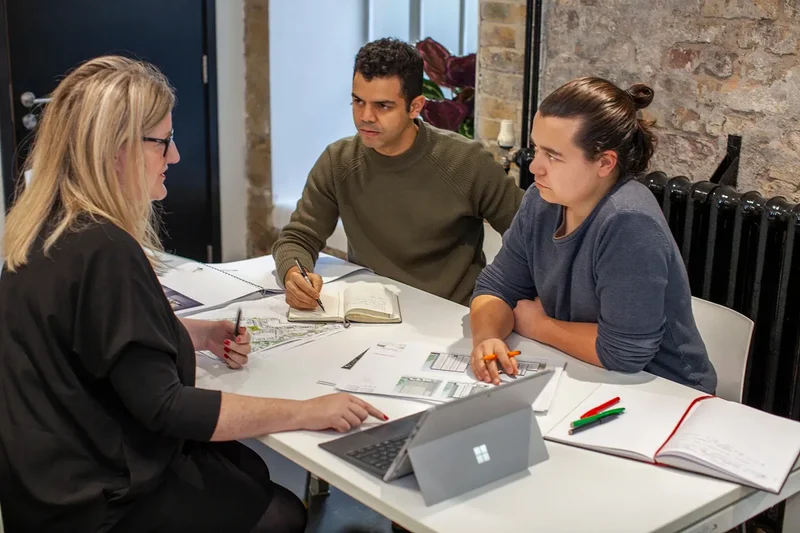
<point x="574" y="491"/>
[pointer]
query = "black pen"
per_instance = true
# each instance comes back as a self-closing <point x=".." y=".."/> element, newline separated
<point x="305" y="276"/>
<point x="238" y="321"/>
<point x="593" y="424"/>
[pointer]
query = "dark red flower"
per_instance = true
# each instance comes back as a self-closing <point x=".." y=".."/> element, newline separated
<point x="445" y="114"/>
<point x="460" y="71"/>
<point x="435" y="57"/>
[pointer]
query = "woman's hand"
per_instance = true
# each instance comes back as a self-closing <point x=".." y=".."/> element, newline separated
<point x="487" y="370"/>
<point x="339" y="411"/>
<point x="221" y="341"/>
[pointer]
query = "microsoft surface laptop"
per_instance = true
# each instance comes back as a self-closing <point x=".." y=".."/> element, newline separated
<point x="457" y="446"/>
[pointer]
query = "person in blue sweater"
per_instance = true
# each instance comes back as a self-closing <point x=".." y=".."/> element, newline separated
<point x="589" y="265"/>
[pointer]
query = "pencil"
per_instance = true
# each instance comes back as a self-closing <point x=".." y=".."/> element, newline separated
<point x="492" y="357"/>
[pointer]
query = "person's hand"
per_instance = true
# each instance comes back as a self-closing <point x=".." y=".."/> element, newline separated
<point x="299" y="294"/>
<point x="222" y="342"/>
<point x="528" y="318"/>
<point x="340" y="411"/>
<point x="487" y="370"/>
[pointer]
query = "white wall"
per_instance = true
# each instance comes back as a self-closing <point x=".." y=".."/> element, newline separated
<point x="232" y="138"/>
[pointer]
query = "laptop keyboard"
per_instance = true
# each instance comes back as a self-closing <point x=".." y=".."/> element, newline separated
<point x="379" y="455"/>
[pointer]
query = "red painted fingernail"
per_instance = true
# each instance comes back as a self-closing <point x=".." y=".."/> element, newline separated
<point x="238" y="339"/>
<point x="227" y="342"/>
<point x="226" y="356"/>
<point x="385" y="417"/>
<point x="227" y="350"/>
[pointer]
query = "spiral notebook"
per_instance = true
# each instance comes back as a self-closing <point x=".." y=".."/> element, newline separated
<point x="193" y="287"/>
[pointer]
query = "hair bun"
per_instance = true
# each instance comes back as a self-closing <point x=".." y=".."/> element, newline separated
<point x="641" y="94"/>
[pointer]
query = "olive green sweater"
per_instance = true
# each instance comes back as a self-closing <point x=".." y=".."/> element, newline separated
<point x="416" y="218"/>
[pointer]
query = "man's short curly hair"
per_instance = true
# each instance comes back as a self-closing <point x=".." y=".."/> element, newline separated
<point x="385" y="58"/>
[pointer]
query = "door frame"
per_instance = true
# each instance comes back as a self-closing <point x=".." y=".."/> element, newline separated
<point x="8" y="144"/>
<point x="6" y="113"/>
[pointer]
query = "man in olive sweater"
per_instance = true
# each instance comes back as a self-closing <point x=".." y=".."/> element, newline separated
<point x="412" y="197"/>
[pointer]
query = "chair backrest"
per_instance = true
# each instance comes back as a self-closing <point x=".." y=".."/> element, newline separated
<point x="726" y="335"/>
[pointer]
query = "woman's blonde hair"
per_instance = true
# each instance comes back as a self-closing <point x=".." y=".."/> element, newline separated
<point x="104" y="104"/>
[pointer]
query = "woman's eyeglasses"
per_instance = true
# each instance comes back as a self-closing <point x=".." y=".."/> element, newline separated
<point x="166" y="142"/>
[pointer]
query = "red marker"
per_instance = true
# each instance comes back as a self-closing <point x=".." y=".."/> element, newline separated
<point x="600" y="408"/>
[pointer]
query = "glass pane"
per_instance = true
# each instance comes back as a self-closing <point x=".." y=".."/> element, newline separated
<point x="440" y="20"/>
<point x="388" y="18"/>
<point x="471" y="11"/>
<point x="312" y="46"/>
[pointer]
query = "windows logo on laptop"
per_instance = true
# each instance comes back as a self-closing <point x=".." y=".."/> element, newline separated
<point x="481" y="454"/>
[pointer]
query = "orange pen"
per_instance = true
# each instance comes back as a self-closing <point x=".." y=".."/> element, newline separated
<point x="492" y="357"/>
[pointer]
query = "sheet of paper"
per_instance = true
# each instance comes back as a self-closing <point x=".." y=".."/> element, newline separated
<point x="417" y="387"/>
<point x="332" y="268"/>
<point x="459" y="364"/>
<point x="404" y="369"/>
<point x="333" y="377"/>
<point x="257" y="270"/>
<point x="268" y="326"/>
<point x="261" y="270"/>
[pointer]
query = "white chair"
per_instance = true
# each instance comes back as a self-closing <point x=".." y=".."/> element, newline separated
<point x="726" y="334"/>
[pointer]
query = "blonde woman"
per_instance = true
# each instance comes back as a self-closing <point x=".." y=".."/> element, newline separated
<point x="101" y="427"/>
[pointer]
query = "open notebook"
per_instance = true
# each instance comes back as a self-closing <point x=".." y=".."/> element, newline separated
<point x="360" y="302"/>
<point x="704" y="434"/>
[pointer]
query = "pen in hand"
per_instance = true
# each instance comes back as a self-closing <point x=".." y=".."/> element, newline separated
<point x="238" y="322"/>
<point x="305" y="277"/>
<point x="492" y="357"/>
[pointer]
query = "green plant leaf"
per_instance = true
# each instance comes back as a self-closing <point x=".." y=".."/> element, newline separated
<point x="431" y="91"/>
<point x="467" y="128"/>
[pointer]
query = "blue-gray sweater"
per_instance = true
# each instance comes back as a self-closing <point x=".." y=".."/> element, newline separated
<point x="620" y="269"/>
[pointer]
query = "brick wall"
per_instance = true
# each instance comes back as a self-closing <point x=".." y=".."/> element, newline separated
<point x="718" y="67"/>
<point x="260" y="233"/>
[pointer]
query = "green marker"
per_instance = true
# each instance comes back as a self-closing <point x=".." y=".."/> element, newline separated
<point x="584" y="421"/>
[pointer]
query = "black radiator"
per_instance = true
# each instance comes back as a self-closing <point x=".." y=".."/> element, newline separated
<point x="742" y="251"/>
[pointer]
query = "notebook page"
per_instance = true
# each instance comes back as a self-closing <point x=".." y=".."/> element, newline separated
<point x="751" y="445"/>
<point x="333" y="308"/>
<point x="372" y="297"/>
<point x="638" y="433"/>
